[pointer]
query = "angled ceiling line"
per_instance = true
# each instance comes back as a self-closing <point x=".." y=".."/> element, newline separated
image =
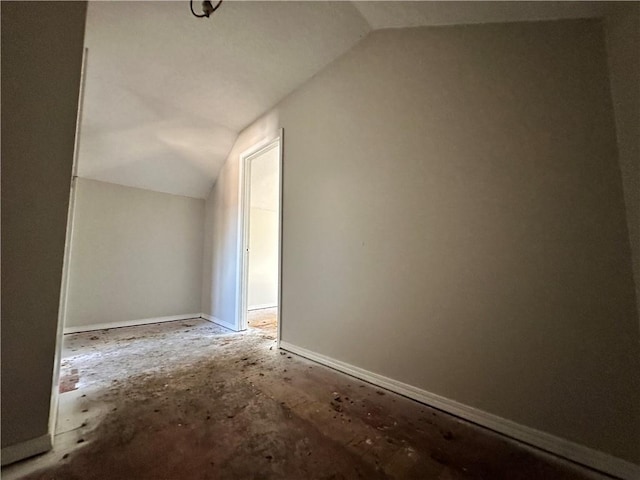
<point x="207" y="8"/>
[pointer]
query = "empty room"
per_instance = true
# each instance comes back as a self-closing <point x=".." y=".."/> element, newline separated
<point x="324" y="240"/>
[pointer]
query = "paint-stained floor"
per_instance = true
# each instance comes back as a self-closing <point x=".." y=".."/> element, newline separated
<point x="192" y="400"/>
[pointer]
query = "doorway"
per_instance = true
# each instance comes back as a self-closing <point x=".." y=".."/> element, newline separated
<point x="260" y="227"/>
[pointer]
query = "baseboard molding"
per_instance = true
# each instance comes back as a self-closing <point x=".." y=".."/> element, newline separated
<point x="129" y="323"/>
<point x="262" y="306"/>
<point x="29" y="448"/>
<point x="564" y="448"/>
<point x="217" y="321"/>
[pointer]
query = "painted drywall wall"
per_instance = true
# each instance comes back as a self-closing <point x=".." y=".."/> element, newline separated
<point x="42" y="46"/>
<point x="623" y="46"/>
<point x="262" y="270"/>
<point x="222" y="229"/>
<point x="135" y="254"/>
<point x="263" y="259"/>
<point x="455" y="193"/>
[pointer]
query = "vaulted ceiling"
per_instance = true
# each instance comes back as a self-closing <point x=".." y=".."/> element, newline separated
<point x="166" y="93"/>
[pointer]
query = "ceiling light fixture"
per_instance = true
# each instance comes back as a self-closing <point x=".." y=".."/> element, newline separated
<point x="207" y="8"/>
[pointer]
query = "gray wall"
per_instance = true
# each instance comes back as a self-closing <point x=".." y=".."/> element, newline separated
<point x="135" y="254"/>
<point x="455" y="194"/>
<point x="41" y="63"/>
<point x="262" y="271"/>
<point x="221" y="227"/>
<point x="623" y="46"/>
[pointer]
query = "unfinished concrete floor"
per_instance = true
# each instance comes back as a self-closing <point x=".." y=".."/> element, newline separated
<point x="191" y="400"/>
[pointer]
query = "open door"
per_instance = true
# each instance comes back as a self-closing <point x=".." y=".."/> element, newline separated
<point x="260" y="226"/>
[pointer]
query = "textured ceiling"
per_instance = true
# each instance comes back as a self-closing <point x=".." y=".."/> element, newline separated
<point x="166" y="93"/>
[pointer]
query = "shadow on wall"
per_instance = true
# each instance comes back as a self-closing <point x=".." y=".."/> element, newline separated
<point x="42" y="47"/>
<point x="465" y="208"/>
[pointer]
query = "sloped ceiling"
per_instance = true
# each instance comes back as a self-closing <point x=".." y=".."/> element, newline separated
<point x="414" y="14"/>
<point x="166" y="93"/>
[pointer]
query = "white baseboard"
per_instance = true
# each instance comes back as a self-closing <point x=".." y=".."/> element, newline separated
<point x="29" y="448"/>
<point x="129" y="323"/>
<point x="545" y="441"/>
<point x="262" y="306"/>
<point x="217" y="321"/>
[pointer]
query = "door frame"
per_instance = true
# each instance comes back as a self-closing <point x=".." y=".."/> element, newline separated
<point x="64" y="284"/>
<point x="244" y="198"/>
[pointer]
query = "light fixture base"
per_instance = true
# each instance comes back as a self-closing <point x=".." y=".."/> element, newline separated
<point x="207" y="8"/>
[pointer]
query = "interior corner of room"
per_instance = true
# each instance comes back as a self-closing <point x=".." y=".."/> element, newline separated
<point x="440" y="200"/>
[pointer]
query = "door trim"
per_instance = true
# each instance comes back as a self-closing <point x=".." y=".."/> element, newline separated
<point x="64" y="284"/>
<point x="244" y="177"/>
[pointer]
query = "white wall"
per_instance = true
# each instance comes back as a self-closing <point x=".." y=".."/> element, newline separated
<point x="221" y="227"/>
<point x="135" y="254"/>
<point x="263" y="259"/>
<point x="263" y="231"/>
<point x="41" y="62"/>
<point x="455" y="193"/>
